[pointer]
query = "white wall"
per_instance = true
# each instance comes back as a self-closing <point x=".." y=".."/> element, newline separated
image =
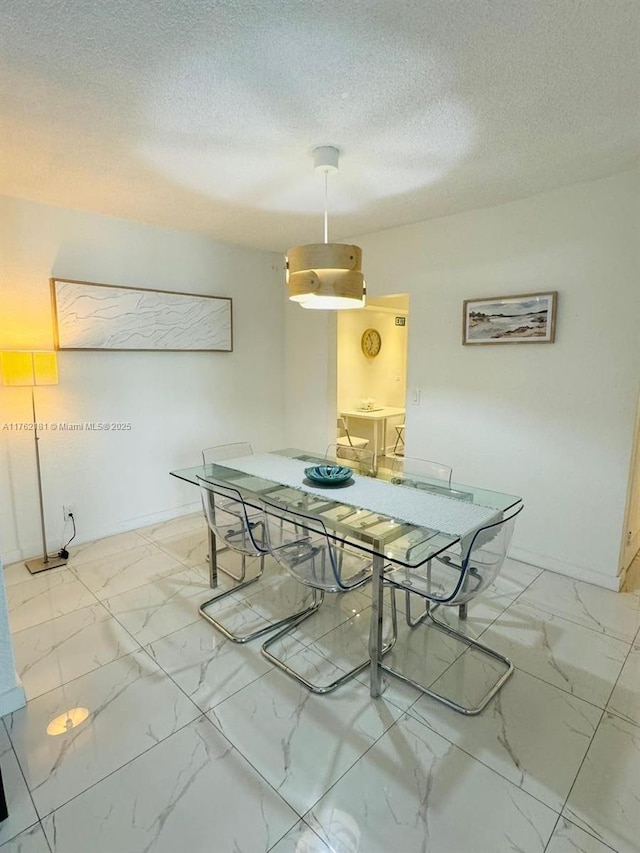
<point x="553" y="423"/>
<point x="177" y="403"/>
<point x="310" y="377"/>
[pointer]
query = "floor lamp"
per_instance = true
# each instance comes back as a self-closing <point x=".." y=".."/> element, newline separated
<point x="31" y="369"/>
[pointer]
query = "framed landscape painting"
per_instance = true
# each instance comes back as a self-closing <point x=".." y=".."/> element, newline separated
<point x="529" y="318"/>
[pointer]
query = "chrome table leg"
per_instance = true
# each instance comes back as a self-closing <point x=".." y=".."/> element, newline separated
<point x="375" y="634"/>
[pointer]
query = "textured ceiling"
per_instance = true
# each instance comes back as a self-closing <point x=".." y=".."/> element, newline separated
<point x="202" y="115"/>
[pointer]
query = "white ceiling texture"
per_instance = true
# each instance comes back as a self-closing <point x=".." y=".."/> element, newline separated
<point x="202" y="114"/>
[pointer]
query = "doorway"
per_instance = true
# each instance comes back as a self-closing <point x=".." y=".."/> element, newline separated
<point x="631" y="533"/>
<point x="372" y="373"/>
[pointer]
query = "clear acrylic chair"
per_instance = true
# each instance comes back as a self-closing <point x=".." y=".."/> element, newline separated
<point x="407" y="466"/>
<point x="302" y="545"/>
<point x="452" y="579"/>
<point x="403" y="468"/>
<point x="362" y="461"/>
<point x="220" y="453"/>
<point x="346" y="439"/>
<point x="241" y="527"/>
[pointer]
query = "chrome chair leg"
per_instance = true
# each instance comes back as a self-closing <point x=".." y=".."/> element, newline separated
<point x="407" y="610"/>
<point x="243" y="571"/>
<point x="244" y="638"/>
<point x="333" y="685"/>
<point x="214" y="567"/>
<point x="462" y="611"/>
<point x="235" y="638"/>
<point x="427" y="604"/>
<point x="469" y="642"/>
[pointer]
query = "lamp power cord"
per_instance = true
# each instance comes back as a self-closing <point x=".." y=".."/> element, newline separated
<point x="63" y="553"/>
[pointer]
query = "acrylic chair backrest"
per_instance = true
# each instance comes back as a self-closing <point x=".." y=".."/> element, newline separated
<point x="220" y="452"/>
<point x="481" y="563"/>
<point x="228" y="518"/>
<point x="301" y="545"/>
<point x="422" y="468"/>
<point x="359" y="458"/>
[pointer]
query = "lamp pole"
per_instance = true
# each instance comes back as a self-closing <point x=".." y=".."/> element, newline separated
<point x="41" y="564"/>
<point x="29" y="368"/>
<point x="36" y="439"/>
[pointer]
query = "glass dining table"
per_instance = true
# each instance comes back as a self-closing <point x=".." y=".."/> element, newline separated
<point x="407" y="519"/>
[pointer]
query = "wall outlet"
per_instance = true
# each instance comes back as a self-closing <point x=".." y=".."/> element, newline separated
<point x="67" y="510"/>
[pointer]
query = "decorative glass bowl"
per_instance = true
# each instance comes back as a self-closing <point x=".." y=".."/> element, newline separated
<point x="328" y="475"/>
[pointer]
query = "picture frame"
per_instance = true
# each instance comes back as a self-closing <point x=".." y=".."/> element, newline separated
<point x="92" y="316"/>
<point x="528" y="318"/>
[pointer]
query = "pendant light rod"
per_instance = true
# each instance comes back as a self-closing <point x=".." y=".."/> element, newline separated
<point x="326" y="159"/>
<point x="326" y="207"/>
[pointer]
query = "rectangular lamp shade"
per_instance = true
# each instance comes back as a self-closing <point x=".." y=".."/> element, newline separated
<point x="29" y="368"/>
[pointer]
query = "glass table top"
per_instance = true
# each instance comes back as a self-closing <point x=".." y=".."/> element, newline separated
<point x="377" y="533"/>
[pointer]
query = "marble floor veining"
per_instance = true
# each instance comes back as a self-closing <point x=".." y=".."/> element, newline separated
<point x="192" y="743"/>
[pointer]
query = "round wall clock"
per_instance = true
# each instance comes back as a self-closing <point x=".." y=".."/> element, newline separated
<point x="371" y="342"/>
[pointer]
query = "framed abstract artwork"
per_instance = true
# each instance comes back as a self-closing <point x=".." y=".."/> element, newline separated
<point x="91" y="316"/>
<point x="529" y="318"/>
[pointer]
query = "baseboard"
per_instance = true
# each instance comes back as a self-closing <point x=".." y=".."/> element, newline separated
<point x="542" y="561"/>
<point x="8" y="557"/>
<point x="13" y="699"/>
<point x="157" y="517"/>
<point x="19" y="554"/>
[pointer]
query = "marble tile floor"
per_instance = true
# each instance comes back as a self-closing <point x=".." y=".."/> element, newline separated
<point x="194" y="744"/>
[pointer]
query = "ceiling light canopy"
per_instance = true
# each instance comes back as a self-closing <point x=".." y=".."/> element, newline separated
<point x="326" y="275"/>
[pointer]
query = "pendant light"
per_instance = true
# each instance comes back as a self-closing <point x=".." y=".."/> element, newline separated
<point x="326" y="275"/>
